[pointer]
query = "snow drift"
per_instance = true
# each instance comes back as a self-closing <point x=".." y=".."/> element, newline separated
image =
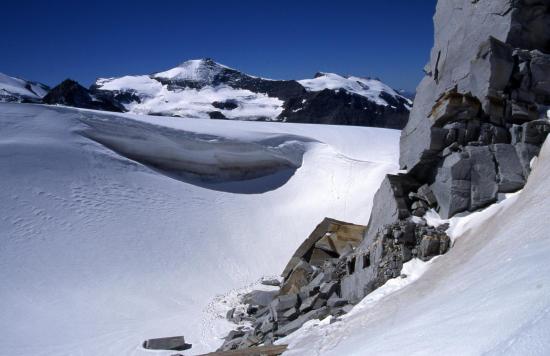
<point x="203" y="159"/>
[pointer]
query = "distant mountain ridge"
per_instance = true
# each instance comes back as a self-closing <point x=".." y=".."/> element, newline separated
<point x="205" y="89"/>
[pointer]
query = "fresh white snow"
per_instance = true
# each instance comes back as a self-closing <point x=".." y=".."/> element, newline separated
<point x="99" y="252"/>
<point x="489" y="295"/>
<point x="197" y="103"/>
<point x="142" y="84"/>
<point x="156" y="98"/>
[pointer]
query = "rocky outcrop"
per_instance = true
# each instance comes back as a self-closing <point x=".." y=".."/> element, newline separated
<point x="344" y="108"/>
<point x="479" y="118"/>
<point x="70" y="93"/>
<point x="480" y="114"/>
<point x="310" y="288"/>
<point x="373" y="264"/>
<point x="321" y="278"/>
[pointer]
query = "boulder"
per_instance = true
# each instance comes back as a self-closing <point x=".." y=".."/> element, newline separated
<point x="392" y="204"/>
<point x="526" y="152"/>
<point x="520" y="112"/>
<point x="298" y="278"/>
<point x="426" y="194"/>
<point x="266" y="326"/>
<point x="273" y="282"/>
<point x="510" y="176"/>
<point x="491" y="70"/>
<point x="341" y="233"/>
<point x="297" y="323"/>
<point x="319" y="256"/>
<point x="314" y="285"/>
<point x="484" y="187"/>
<point x="453" y="106"/>
<point x="291" y="314"/>
<point x="433" y="245"/>
<point x="540" y="67"/>
<point x="233" y="334"/>
<point x="259" y="297"/>
<point x="249" y="339"/>
<point x="284" y="302"/>
<point x="452" y="185"/>
<point x="308" y="304"/>
<point x="335" y="302"/>
<point x="337" y="243"/>
<point x="174" y="343"/>
<point x="535" y="132"/>
<point x="327" y="289"/>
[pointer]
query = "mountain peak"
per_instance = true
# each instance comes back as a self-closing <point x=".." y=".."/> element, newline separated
<point x="195" y="70"/>
<point x="200" y="62"/>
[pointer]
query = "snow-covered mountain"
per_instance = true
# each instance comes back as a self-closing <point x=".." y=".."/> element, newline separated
<point x="206" y="89"/>
<point x="19" y="90"/>
<point x="373" y="89"/>
<point x="116" y="228"/>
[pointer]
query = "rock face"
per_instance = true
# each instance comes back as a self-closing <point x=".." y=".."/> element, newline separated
<point x="479" y="118"/>
<point x="70" y="93"/>
<point x="310" y="288"/>
<point x="374" y="263"/>
<point x="479" y="115"/>
<point x="206" y="89"/>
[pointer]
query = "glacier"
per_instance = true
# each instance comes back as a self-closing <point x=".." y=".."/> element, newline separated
<point x="101" y="249"/>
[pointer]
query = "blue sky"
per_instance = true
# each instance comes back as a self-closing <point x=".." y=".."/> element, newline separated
<point x="49" y="41"/>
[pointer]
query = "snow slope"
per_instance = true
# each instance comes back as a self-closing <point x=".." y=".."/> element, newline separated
<point x="99" y="251"/>
<point x="489" y="295"/>
<point x="15" y="89"/>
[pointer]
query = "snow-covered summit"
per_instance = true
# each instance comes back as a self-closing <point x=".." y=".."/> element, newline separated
<point x="203" y="88"/>
<point x="15" y="89"/>
<point x="372" y="89"/>
<point x="196" y="70"/>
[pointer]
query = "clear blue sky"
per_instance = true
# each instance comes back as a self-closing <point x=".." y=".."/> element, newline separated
<point x="49" y="41"/>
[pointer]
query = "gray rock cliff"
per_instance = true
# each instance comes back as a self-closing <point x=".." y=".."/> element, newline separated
<point x="479" y="117"/>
